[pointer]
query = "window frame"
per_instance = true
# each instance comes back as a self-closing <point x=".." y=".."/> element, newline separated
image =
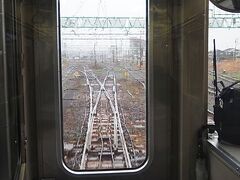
<point x="149" y="124"/>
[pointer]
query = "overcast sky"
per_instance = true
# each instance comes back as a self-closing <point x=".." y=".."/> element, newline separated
<point x="121" y="8"/>
<point x="225" y="38"/>
<point x="100" y="8"/>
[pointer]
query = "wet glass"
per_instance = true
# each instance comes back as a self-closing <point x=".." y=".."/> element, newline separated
<point x="103" y="73"/>
<point x="224" y="27"/>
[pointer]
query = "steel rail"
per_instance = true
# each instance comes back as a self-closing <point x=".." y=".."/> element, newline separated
<point x="117" y="123"/>
<point x="125" y="149"/>
<point x="89" y="134"/>
<point x="210" y="112"/>
<point x="81" y="131"/>
<point x="134" y="77"/>
<point x="111" y="150"/>
<point x="90" y="124"/>
<point x="131" y="141"/>
<point x="113" y="110"/>
<point x="116" y="119"/>
<point x="211" y="92"/>
<point x="100" y="158"/>
<point x="225" y="77"/>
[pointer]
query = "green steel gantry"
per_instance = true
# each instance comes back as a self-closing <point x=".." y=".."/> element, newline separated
<point x="224" y="21"/>
<point x="78" y="28"/>
<point x="103" y="22"/>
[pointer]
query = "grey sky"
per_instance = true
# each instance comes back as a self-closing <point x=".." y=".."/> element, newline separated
<point x="121" y="8"/>
<point x="100" y="8"/>
<point x="225" y="38"/>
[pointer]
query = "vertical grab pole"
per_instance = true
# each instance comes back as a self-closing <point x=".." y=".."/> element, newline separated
<point x="216" y="107"/>
<point x="215" y="70"/>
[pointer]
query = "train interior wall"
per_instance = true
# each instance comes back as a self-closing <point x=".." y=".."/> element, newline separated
<point x="29" y="87"/>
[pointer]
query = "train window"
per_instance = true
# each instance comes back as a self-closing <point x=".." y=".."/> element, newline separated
<point x="224" y="28"/>
<point x="104" y="84"/>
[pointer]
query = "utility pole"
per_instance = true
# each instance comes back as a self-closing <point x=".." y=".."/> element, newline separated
<point x="140" y="53"/>
<point x="235" y="57"/>
<point x="66" y="50"/>
<point x="113" y="55"/>
<point x="94" y="54"/>
<point x="116" y="51"/>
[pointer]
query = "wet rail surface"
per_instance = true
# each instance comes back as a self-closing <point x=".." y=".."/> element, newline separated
<point x="227" y="80"/>
<point x="104" y="117"/>
<point x="137" y="75"/>
<point x="105" y="146"/>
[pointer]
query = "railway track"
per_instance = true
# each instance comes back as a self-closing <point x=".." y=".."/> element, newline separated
<point x="210" y="117"/>
<point x="138" y="75"/>
<point x="210" y="113"/>
<point x="66" y="76"/>
<point x="227" y="80"/>
<point x="75" y="111"/>
<point x="103" y="135"/>
<point x="105" y="146"/>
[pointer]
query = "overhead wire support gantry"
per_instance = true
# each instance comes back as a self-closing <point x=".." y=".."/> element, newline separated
<point x="219" y="20"/>
<point x="103" y="22"/>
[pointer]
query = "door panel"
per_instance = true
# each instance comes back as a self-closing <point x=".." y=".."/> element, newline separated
<point x="165" y="29"/>
<point x="48" y="114"/>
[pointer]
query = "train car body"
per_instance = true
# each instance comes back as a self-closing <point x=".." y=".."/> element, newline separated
<point x="31" y="145"/>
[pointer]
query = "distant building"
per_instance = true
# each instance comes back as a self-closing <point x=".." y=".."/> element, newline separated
<point x="227" y="54"/>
